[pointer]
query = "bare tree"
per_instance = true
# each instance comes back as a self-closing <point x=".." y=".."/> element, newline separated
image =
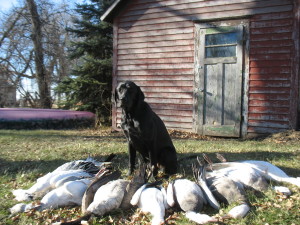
<point x="39" y="55"/>
<point x="11" y="26"/>
<point x="33" y="42"/>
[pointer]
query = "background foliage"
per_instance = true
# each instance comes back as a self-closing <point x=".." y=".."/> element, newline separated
<point x="75" y="48"/>
<point x="19" y="40"/>
<point x="90" y="86"/>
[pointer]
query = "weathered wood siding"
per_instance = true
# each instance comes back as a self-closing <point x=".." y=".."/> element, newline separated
<point x="270" y="87"/>
<point x="154" y="47"/>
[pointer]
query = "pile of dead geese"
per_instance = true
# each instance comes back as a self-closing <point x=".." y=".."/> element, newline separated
<point x="99" y="189"/>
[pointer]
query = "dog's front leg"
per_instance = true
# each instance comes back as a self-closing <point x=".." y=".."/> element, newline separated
<point x="153" y="161"/>
<point x="132" y="156"/>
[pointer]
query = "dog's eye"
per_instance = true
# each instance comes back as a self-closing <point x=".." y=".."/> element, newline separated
<point x="127" y="86"/>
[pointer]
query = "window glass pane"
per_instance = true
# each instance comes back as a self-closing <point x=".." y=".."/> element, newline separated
<point x="220" y="39"/>
<point x="222" y="51"/>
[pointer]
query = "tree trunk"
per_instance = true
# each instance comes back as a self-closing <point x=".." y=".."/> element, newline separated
<point x="42" y="80"/>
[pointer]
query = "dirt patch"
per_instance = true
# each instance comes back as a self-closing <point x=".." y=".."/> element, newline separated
<point x="177" y="134"/>
<point x="283" y="137"/>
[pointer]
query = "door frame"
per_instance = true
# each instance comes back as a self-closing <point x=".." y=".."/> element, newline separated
<point x="245" y="71"/>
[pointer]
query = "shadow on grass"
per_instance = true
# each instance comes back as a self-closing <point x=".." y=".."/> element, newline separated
<point x="120" y="162"/>
<point x="36" y="134"/>
<point x="12" y="168"/>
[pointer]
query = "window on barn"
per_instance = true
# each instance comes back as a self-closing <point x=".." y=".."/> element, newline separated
<point x="220" y="45"/>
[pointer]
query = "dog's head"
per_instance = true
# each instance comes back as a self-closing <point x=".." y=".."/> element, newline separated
<point x="128" y="95"/>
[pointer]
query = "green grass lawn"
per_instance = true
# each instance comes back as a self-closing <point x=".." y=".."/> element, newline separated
<point x="26" y="155"/>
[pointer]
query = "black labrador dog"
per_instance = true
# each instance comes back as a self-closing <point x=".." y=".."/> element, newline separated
<point x="144" y="130"/>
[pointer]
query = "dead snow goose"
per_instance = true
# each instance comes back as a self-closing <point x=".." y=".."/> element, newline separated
<point x="224" y="189"/>
<point x="100" y="179"/>
<point x="113" y="195"/>
<point x="73" y="170"/>
<point x="271" y="172"/>
<point x="153" y="200"/>
<point x="190" y="198"/>
<point x="254" y="174"/>
<point x="227" y="181"/>
<point x="240" y="173"/>
<point x="199" y="173"/>
<point x="69" y="194"/>
<point x="48" y="182"/>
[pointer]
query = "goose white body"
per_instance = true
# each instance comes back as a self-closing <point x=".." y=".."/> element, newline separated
<point x="151" y="200"/>
<point x="55" y="179"/>
<point x="190" y="199"/>
<point x="230" y="178"/>
<point x="188" y="195"/>
<point x="108" y="197"/>
<point x="252" y="173"/>
<point x="47" y="183"/>
<point x="241" y="173"/>
<point x="272" y="172"/>
<point x="69" y="194"/>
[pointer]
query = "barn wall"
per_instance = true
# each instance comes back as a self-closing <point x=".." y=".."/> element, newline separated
<point x="154" y="47"/>
<point x="271" y="51"/>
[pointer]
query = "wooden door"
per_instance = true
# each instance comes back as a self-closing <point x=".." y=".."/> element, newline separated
<point x="219" y="72"/>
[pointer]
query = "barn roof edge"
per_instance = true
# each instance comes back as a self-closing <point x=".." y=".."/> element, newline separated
<point x="113" y="10"/>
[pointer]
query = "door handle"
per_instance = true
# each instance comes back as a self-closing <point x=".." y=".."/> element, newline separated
<point x="205" y="92"/>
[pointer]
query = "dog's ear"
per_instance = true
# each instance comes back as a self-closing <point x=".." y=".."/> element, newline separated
<point x="140" y="94"/>
<point x="115" y="96"/>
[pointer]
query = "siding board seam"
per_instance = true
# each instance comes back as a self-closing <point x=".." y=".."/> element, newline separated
<point x="232" y="6"/>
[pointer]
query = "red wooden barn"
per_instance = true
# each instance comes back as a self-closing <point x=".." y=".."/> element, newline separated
<point x="215" y="67"/>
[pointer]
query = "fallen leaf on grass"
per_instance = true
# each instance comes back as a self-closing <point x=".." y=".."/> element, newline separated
<point x="138" y="217"/>
<point x="289" y="204"/>
<point x="171" y="219"/>
<point x="15" y="218"/>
